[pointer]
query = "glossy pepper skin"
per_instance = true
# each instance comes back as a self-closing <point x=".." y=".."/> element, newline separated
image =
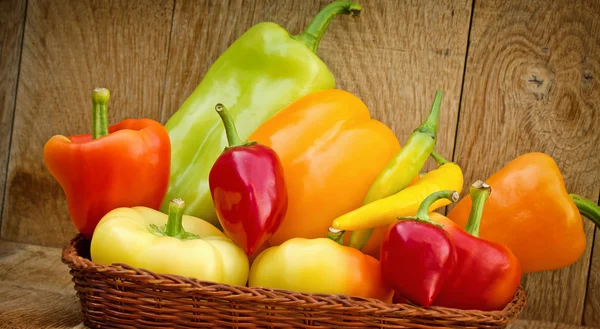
<point x="248" y="188"/>
<point x="331" y="151"/>
<point x="320" y="265"/>
<point x="402" y="169"/>
<point x="487" y="273"/>
<point x="259" y="74"/>
<point x="418" y="256"/>
<point x="384" y="212"/>
<point x="168" y="244"/>
<point x="124" y="165"/>
<point x="529" y="207"/>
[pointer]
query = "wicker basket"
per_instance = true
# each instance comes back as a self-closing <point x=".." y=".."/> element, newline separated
<point x="121" y="296"/>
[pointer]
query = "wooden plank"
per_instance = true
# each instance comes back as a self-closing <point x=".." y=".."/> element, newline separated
<point x="394" y="68"/>
<point x="591" y="315"/>
<point x="396" y="55"/>
<point x="12" y="16"/>
<point x="69" y="48"/>
<point x="201" y="31"/>
<point x="34" y="267"/>
<point x="35" y="288"/>
<point x="531" y="324"/>
<point x="32" y="308"/>
<point x="532" y="85"/>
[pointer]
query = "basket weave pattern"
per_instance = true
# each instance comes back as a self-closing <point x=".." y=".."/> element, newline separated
<point x="121" y="296"/>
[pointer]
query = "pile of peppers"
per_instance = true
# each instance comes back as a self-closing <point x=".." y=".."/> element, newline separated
<point x="269" y="176"/>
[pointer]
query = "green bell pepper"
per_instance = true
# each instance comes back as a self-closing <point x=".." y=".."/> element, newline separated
<point x="259" y="74"/>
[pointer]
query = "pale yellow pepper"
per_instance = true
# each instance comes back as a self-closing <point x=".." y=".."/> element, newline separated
<point x="321" y="265"/>
<point x="175" y="244"/>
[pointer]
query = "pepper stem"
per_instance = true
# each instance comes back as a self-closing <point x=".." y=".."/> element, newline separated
<point x="587" y="208"/>
<point x="423" y="211"/>
<point x="439" y="159"/>
<point x="232" y="135"/>
<point x="480" y="192"/>
<point x="174" y="222"/>
<point x="336" y="235"/>
<point x="431" y="123"/>
<point x="174" y="227"/>
<point x="314" y="31"/>
<point x="100" y="97"/>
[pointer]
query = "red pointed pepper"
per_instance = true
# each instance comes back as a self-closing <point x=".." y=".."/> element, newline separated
<point x="418" y="255"/>
<point x="124" y="165"/>
<point x="487" y="274"/>
<point x="248" y="189"/>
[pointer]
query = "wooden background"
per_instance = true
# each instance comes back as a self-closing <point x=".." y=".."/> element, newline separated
<point x="517" y="75"/>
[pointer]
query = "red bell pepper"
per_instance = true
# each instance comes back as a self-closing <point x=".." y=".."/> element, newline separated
<point x="417" y="255"/>
<point x="248" y="189"/>
<point x="481" y="274"/>
<point x="487" y="274"/>
<point x="124" y="165"/>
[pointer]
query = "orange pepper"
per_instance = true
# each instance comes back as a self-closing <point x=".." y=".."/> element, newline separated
<point x="331" y="151"/>
<point x="531" y="212"/>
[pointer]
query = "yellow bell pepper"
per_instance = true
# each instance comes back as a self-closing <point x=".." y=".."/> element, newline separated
<point x="448" y="176"/>
<point x="320" y="265"/>
<point x="185" y="245"/>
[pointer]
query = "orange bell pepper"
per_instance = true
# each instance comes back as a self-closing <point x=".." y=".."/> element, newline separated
<point x="331" y="151"/>
<point x="531" y="212"/>
<point x="321" y="265"/>
<point x="124" y="165"/>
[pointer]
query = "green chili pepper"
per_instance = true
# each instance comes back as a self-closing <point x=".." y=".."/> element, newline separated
<point x="403" y="167"/>
<point x="259" y="74"/>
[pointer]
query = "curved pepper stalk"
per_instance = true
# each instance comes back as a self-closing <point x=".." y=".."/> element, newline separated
<point x="315" y="30"/>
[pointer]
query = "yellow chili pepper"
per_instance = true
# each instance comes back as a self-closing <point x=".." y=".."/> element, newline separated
<point x="402" y="169"/>
<point x="321" y="265"/>
<point x="448" y="176"/>
<point x="139" y="237"/>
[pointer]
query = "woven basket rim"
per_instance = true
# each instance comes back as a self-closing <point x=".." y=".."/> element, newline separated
<point x="293" y="299"/>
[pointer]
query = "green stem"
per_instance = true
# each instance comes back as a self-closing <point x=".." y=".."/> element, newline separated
<point x="232" y="135"/>
<point x="336" y="235"/>
<point x="480" y="192"/>
<point x="174" y="222"/>
<point x="314" y="31"/>
<point x="439" y="159"/>
<point x="587" y="208"/>
<point x="174" y="227"/>
<point x="423" y="211"/>
<point x="431" y="123"/>
<point x="100" y="97"/>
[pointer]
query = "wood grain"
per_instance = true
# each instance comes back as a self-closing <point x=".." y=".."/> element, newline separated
<point x="531" y="324"/>
<point x="35" y="288"/>
<point x="31" y="308"/>
<point x="34" y="267"/>
<point x="69" y="48"/>
<point x="532" y="85"/>
<point x="591" y="314"/>
<point x="396" y="55"/>
<point x="201" y="31"/>
<point x="395" y="68"/>
<point x="12" y="16"/>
